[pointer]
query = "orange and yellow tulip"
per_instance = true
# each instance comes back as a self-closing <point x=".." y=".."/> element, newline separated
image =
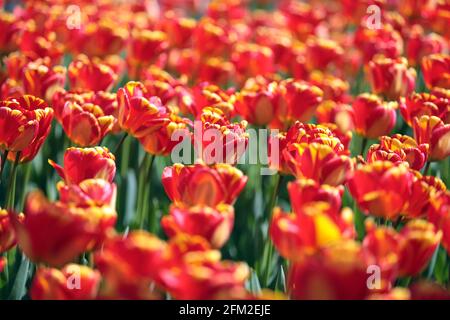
<point x="391" y="77"/>
<point x="419" y="239"/>
<point x="56" y="233"/>
<point x="212" y="223"/>
<point x="138" y="115"/>
<point x="436" y="70"/>
<point x="85" y="124"/>
<point x="88" y="74"/>
<point x="433" y="131"/>
<point x="318" y="162"/>
<point x="373" y="117"/>
<point x="318" y="225"/>
<point x="200" y="184"/>
<point x="381" y="188"/>
<point x="25" y="124"/>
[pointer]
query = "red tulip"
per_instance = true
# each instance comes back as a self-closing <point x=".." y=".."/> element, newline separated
<point x="213" y="224"/>
<point x="89" y="74"/>
<point x="55" y="233"/>
<point x="433" y="131"/>
<point x="316" y="226"/>
<point x="381" y="188"/>
<point x="73" y="282"/>
<point x="26" y="125"/>
<point x="436" y="70"/>
<point x="138" y="115"/>
<point x="203" y="185"/>
<point x="86" y="163"/>
<point x="419" y="240"/>
<point x="391" y="77"/>
<point x="373" y="117"/>
<point x="334" y="273"/>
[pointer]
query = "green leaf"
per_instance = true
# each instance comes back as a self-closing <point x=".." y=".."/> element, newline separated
<point x="19" y="290"/>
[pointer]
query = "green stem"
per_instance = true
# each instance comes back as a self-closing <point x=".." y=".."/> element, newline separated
<point x="143" y="188"/>
<point x="125" y="135"/>
<point x="427" y="168"/>
<point x="125" y="155"/>
<point x="363" y="146"/>
<point x="26" y="178"/>
<point x="268" y="246"/>
<point x="11" y="192"/>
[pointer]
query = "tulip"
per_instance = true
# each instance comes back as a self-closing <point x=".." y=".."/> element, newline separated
<point x="372" y="116"/>
<point x="385" y="40"/>
<point x="203" y="185"/>
<point x="419" y="240"/>
<point x="337" y="272"/>
<point x="436" y="70"/>
<point x="214" y="224"/>
<point x="86" y="163"/>
<point x="73" y="282"/>
<point x="9" y="25"/>
<point x="433" y="131"/>
<point x="322" y="52"/>
<point x="160" y="142"/>
<point x="203" y="277"/>
<point x="138" y="115"/>
<point x="219" y="140"/>
<point x="423" y="104"/>
<point x="86" y="124"/>
<point x="391" y="77"/>
<point x="298" y="103"/>
<point x="107" y="102"/>
<point x="317" y="225"/>
<point x="304" y="191"/>
<point x="318" y="162"/>
<point x="256" y="102"/>
<point x="333" y="88"/>
<point x="129" y="265"/>
<point x="17" y="131"/>
<point x="87" y="74"/>
<point x="251" y="60"/>
<point x="210" y="39"/>
<point x="55" y="233"/>
<point x="423" y="189"/>
<point x="399" y="148"/>
<point x="420" y="44"/>
<point x="381" y="188"/>
<point x="37" y="44"/>
<point x="206" y="94"/>
<point x="88" y="193"/>
<point x="382" y="243"/>
<point x="311" y="133"/>
<point x="179" y="30"/>
<point x="25" y="124"/>
<point x="41" y="80"/>
<point x="160" y="83"/>
<point x="438" y="214"/>
<point x="302" y="18"/>
<point x="443" y="96"/>
<point x="99" y="38"/>
<point x="426" y="290"/>
<point x="216" y="70"/>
